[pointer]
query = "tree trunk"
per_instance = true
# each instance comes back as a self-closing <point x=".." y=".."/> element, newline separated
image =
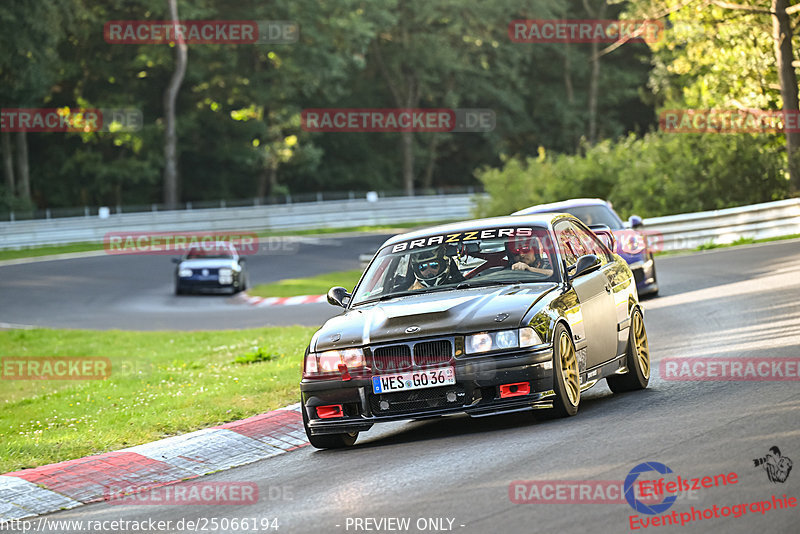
<point x="22" y="167"/>
<point x="170" y="97"/>
<point x="782" y="36"/>
<point x="408" y="161"/>
<point x="273" y="177"/>
<point x="567" y="122"/>
<point x="427" y="178"/>
<point x="261" y="185"/>
<point x="594" y="79"/>
<point x="8" y="161"/>
<point x="410" y="100"/>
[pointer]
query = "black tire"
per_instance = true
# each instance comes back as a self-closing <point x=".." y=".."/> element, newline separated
<point x="637" y="358"/>
<point x="328" y="441"/>
<point x="565" y="363"/>
<point x="179" y="290"/>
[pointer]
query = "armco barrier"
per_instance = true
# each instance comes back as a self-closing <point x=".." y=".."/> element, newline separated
<point x="674" y="232"/>
<point x="758" y="221"/>
<point x="329" y="214"/>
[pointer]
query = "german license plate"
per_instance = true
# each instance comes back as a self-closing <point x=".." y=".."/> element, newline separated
<point x="431" y="378"/>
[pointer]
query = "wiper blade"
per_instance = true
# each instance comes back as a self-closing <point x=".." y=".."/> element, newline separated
<point x="485" y="283"/>
<point x="401" y="294"/>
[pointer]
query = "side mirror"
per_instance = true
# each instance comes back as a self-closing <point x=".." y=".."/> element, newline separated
<point x="586" y="264"/>
<point x="337" y="296"/>
<point x="241" y="260"/>
<point x="176" y="260"/>
<point x="635" y="221"/>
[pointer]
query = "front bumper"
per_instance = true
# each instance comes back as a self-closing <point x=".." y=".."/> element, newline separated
<point x="210" y="285"/>
<point x="644" y="273"/>
<point x="476" y="392"/>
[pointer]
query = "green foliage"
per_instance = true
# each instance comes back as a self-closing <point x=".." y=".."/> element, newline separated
<point x="258" y="355"/>
<point x="660" y="174"/>
<point x="239" y="107"/>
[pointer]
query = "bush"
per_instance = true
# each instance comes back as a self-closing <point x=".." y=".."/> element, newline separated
<point x="659" y="174"/>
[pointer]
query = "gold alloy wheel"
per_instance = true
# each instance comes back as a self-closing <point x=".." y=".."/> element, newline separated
<point x="642" y="348"/>
<point x="569" y="368"/>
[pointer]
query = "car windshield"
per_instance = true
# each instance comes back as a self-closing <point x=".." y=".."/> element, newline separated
<point x="597" y="214"/>
<point x="213" y="253"/>
<point x="486" y="256"/>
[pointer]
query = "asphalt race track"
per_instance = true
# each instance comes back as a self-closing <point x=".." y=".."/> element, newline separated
<point x="136" y="292"/>
<point x="740" y="302"/>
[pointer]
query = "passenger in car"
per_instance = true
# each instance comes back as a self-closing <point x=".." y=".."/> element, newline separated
<point x="525" y="254"/>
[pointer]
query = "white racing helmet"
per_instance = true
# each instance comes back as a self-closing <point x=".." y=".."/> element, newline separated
<point x="431" y="267"/>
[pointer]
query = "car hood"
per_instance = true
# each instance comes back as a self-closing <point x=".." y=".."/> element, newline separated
<point x="207" y="264"/>
<point x="434" y="314"/>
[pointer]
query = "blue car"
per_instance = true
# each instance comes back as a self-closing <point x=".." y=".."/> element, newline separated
<point x="632" y="242"/>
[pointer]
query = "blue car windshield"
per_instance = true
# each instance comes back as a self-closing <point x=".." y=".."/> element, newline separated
<point x="594" y="215"/>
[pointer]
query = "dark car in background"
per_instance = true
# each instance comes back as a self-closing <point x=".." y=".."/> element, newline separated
<point x="632" y="242"/>
<point x="210" y="268"/>
<point x="482" y="317"/>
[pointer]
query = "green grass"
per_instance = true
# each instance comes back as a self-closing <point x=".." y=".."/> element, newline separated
<point x="86" y="247"/>
<point x="161" y="384"/>
<point x="740" y="241"/>
<point x="314" y="285"/>
<point x="49" y="250"/>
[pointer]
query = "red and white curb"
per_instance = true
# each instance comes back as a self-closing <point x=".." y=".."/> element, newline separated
<point x="283" y="301"/>
<point x="65" y="485"/>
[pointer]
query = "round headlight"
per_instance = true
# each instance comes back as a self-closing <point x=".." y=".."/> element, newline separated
<point x="506" y="339"/>
<point x="185" y="273"/>
<point x="479" y="343"/>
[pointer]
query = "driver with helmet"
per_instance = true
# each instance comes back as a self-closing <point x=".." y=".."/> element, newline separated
<point x="433" y="268"/>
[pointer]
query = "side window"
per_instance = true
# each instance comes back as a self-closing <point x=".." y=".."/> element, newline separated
<point x="591" y="244"/>
<point x="568" y="243"/>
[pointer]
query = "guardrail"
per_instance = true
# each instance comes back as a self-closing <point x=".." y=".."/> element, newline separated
<point x="328" y="214"/>
<point x="757" y="221"/>
<point x="673" y="232"/>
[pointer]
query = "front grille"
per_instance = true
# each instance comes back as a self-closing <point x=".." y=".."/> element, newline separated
<point x="432" y="352"/>
<point x="391" y="358"/>
<point x="199" y="272"/>
<point x="418" y="400"/>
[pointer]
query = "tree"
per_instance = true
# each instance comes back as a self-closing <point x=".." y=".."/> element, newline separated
<point x="725" y="54"/>
<point x="170" y="96"/>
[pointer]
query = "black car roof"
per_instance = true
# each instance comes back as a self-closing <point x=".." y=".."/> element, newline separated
<point x="538" y="219"/>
